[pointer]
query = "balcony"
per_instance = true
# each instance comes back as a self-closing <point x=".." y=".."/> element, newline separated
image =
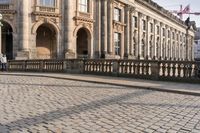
<point x="7" y="8"/>
<point x="46" y="11"/>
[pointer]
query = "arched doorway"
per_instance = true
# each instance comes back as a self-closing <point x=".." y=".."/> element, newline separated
<point x="46" y="42"/>
<point x="7" y="40"/>
<point x="82" y="43"/>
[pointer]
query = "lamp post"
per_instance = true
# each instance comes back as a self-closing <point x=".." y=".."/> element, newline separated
<point x="1" y="16"/>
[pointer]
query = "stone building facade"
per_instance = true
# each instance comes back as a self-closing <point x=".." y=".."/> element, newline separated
<point x="113" y="29"/>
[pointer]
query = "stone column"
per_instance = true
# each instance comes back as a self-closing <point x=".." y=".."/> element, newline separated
<point x="176" y="43"/>
<point x="131" y="34"/>
<point x="171" y="43"/>
<point x="98" y="30"/>
<point x="139" y="34"/>
<point x="188" y="47"/>
<point x="23" y="52"/>
<point x="69" y="52"/>
<point x="166" y="41"/>
<point x="178" y="57"/>
<point x="155" y="39"/>
<point x="25" y="25"/>
<point x="147" y="39"/>
<point x="192" y="49"/>
<point x="122" y="35"/>
<point x="105" y="26"/>
<point x="127" y="31"/>
<point x="110" y="28"/>
<point x="161" y="41"/>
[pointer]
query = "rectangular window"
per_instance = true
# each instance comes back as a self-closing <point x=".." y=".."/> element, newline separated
<point x="4" y="1"/>
<point x="173" y="35"/>
<point x="158" y="30"/>
<point x="50" y="3"/>
<point x="83" y="5"/>
<point x="143" y="24"/>
<point x="117" y="42"/>
<point x="151" y="27"/>
<point x="117" y="14"/>
<point x="134" y="22"/>
<point x="168" y="34"/>
<point x="163" y="31"/>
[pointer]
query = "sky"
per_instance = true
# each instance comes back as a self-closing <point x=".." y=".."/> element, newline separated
<point x="175" y="5"/>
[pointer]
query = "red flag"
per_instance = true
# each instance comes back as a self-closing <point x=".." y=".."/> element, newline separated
<point x="186" y="9"/>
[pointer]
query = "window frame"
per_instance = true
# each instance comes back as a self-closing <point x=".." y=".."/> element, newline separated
<point x="83" y="6"/>
<point x="117" y="14"/>
<point x="117" y="43"/>
<point x="5" y="1"/>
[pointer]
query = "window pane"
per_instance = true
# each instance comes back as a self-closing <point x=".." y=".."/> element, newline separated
<point x="117" y="13"/>
<point x="47" y="3"/>
<point x="83" y="5"/>
<point x="4" y="1"/>
<point x="117" y="43"/>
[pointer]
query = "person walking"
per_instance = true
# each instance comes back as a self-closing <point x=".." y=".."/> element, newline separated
<point x="4" y="63"/>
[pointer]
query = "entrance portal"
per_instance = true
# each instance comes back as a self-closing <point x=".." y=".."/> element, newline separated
<point x="7" y="40"/>
<point x="46" y="42"/>
<point x="82" y="43"/>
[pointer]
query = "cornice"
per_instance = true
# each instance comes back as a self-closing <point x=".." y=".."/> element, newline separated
<point x="160" y="10"/>
<point x="8" y="11"/>
<point x="46" y="14"/>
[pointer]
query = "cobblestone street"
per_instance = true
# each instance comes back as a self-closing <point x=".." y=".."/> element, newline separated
<point x="45" y="105"/>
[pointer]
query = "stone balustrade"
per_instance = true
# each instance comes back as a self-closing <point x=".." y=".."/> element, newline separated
<point x="185" y="71"/>
<point x="4" y="7"/>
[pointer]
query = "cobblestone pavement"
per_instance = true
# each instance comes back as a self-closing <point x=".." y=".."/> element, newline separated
<point x="46" y="105"/>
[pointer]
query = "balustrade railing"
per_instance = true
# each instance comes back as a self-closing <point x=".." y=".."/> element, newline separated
<point x="47" y="9"/>
<point x="186" y="71"/>
<point x="4" y="6"/>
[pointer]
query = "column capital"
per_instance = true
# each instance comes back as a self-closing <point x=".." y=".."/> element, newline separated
<point x="140" y="15"/>
<point x="110" y="1"/>
<point x="130" y="8"/>
<point x="149" y="18"/>
<point x="155" y="21"/>
<point x="161" y="24"/>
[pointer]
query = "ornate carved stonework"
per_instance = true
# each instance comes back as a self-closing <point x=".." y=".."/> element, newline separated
<point x="46" y="19"/>
<point x="118" y="27"/>
<point x="84" y="19"/>
<point x="8" y="17"/>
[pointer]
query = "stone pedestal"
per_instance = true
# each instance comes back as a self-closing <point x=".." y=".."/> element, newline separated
<point x="70" y="55"/>
<point x="109" y="56"/>
<point x="22" y="55"/>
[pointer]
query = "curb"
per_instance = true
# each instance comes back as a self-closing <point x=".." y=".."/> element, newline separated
<point x="115" y="84"/>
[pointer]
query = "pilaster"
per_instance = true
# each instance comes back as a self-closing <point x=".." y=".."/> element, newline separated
<point x="110" y="28"/>
<point x="23" y="52"/>
<point x="105" y="26"/>
<point x="69" y="52"/>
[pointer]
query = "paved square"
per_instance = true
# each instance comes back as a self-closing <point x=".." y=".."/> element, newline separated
<point x="45" y="105"/>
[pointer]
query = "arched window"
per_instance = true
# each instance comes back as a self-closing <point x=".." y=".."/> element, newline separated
<point x="50" y="3"/>
<point x="83" y="6"/>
